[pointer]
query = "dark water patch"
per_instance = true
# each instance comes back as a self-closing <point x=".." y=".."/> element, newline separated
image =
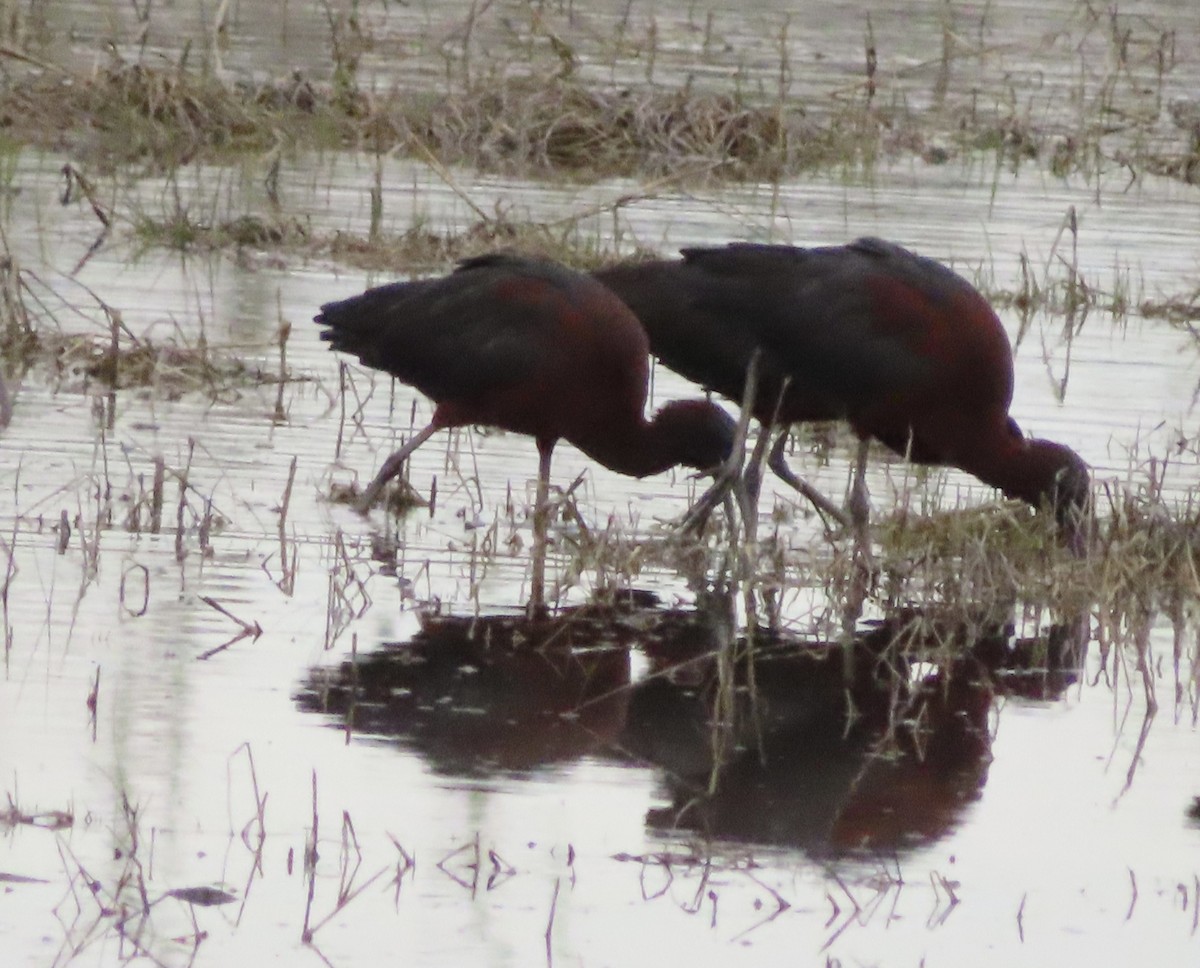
<point x="795" y="744"/>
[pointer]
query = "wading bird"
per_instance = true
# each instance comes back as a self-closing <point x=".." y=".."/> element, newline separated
<point x="535" y="348"/>
<point x="900" y="346"/>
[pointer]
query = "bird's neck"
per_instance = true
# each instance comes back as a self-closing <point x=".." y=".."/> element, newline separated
<point x="694" y="433"/>
<point x="1021" y="468"/>
<point x="637" y="451"/>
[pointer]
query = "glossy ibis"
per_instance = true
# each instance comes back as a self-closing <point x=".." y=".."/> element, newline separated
<point x="899" y="345"/>
<point x="532" y="347"/>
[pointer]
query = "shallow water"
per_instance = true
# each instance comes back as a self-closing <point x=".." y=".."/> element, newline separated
<point x="1061" y="836"/>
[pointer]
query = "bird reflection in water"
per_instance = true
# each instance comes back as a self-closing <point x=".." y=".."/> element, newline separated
<point x="888" y="759"/>
<point x="490" y="693"/>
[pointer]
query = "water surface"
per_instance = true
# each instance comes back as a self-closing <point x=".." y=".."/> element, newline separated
<point x="544" y="793"/>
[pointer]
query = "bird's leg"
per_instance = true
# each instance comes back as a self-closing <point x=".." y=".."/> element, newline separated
<point x="860" y="497"/>
<point x="729" y="475"/>
<point x="752" y="472"/>
<point x="541" y="514"/>
<point x="752" y="477"/>
<point x="750" y="484"/>
<point x="859" y="504"/>
<point x="862" y="572"/>
<point x="825" y="507"/>
<point x="746" y="490"/>
<point x="391" y="467"/>
<point x="698" y="514"/>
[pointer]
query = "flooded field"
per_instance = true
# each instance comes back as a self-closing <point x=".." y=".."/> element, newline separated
<point x="241" y="723"/>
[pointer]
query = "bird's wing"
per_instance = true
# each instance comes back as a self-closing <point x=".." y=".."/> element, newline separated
<point x="815" y="312"/>
<point x="465" y="335"/>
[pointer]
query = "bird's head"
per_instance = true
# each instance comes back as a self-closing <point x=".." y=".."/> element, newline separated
<point x="701" y="434"/>
<point x="1067" y="491"/>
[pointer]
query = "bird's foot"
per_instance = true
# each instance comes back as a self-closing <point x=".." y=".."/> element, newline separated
<point x="834" y="519"/>
<point x="366" y="501"/>
<point x="727" y="481"/>
<point x="398" y="500"/>
<point x="696" y="517"/>
<point x="391" y="468"/>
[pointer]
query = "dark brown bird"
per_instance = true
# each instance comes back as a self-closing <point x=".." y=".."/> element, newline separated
<point x="532" y="347"/>
<point x="899" y="345"/>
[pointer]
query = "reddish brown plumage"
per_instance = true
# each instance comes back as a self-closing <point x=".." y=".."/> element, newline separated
<point x="900" y="346"/>
<point x="532" y="347"/>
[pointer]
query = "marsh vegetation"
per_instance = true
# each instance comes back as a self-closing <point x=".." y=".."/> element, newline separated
<point x="714" y="739"/>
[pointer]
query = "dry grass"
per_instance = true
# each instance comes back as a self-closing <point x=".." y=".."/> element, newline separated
<point x="959" y="568"/>
<point x="88" y="341"/>
<point x="131" y="114"/>
<point x="948" y="573"/>
<point x="528" y="127"/>
<point x="532" y="110"/>
<point x="171" y="367"/>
